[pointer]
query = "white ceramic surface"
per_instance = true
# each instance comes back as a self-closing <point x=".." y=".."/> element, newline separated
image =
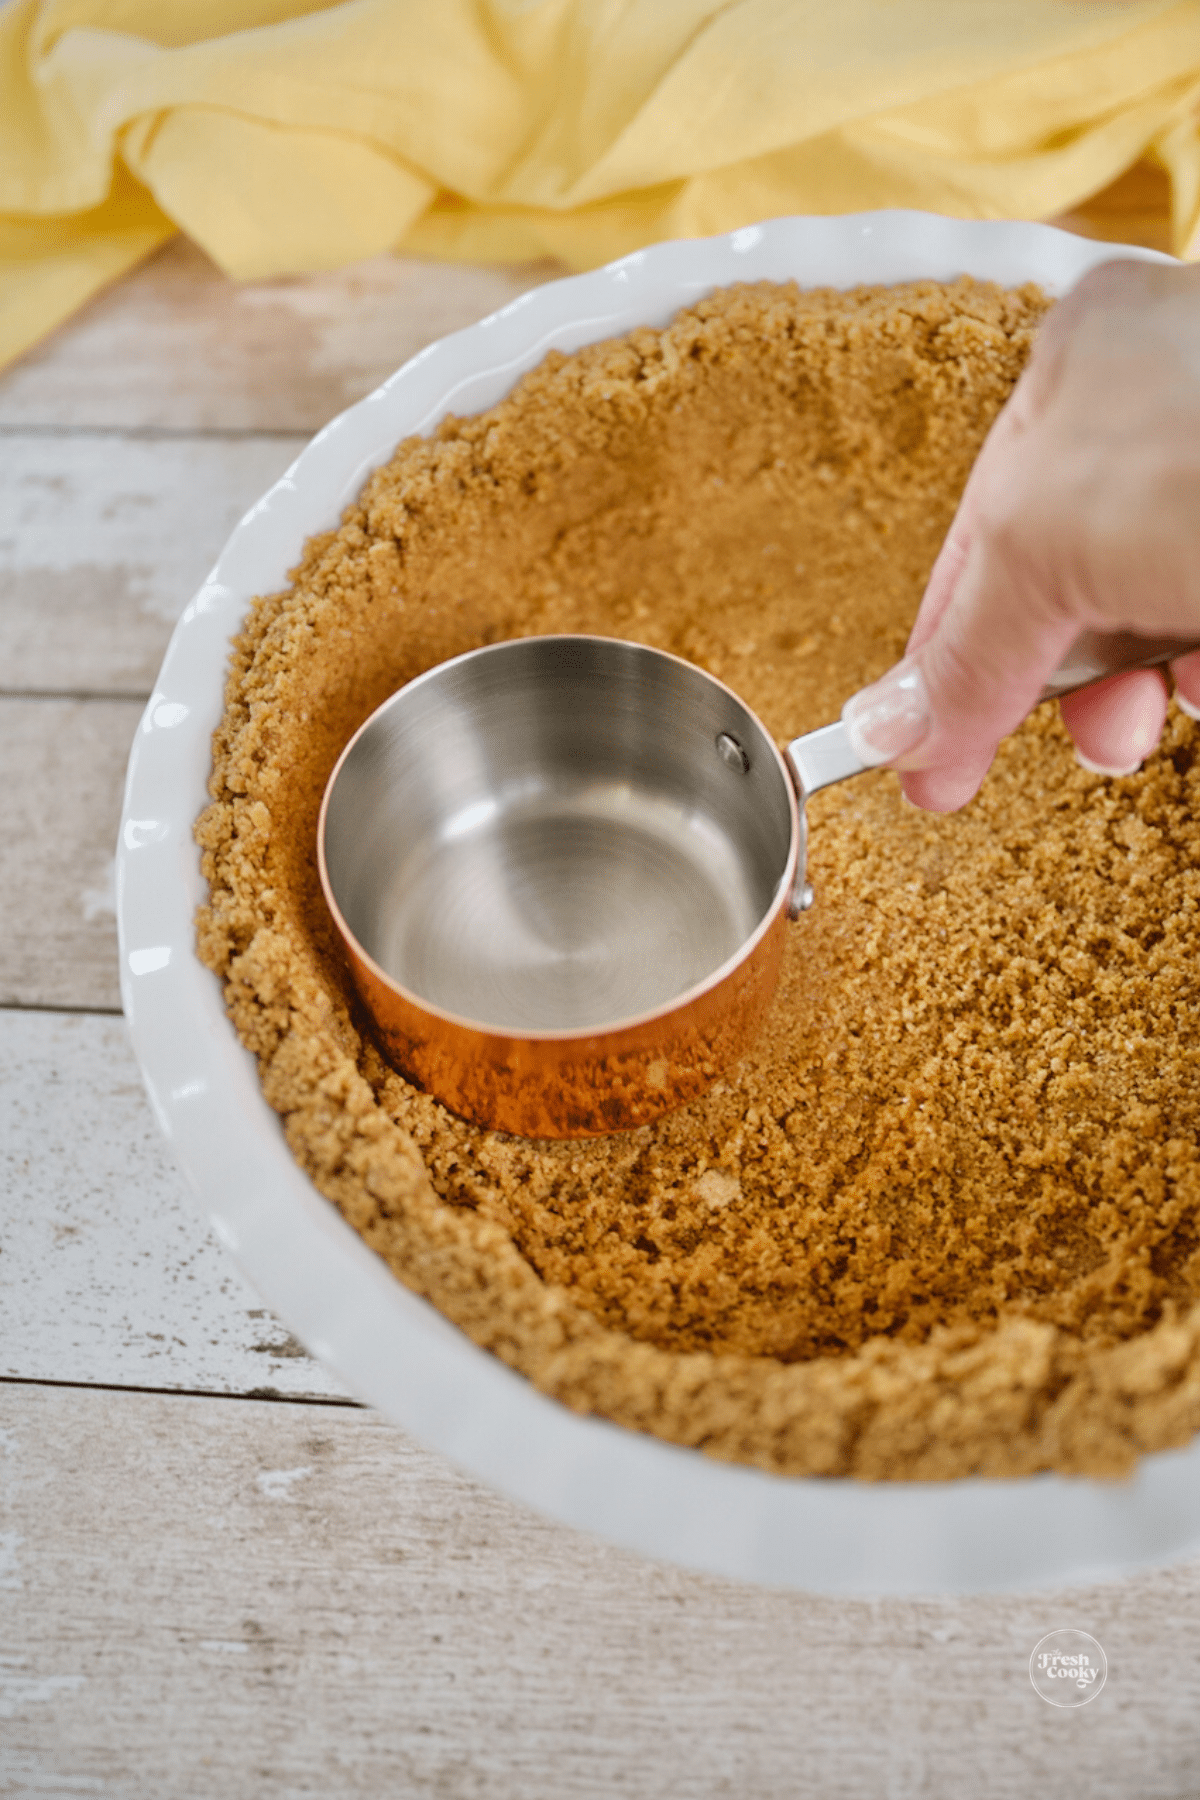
<point x="390" y="1347"/>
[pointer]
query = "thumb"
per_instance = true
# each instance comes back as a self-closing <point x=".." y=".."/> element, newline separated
<point x="980" y="648"/>
<point x="1002" y="447"/>
<point x="939" y="715"/>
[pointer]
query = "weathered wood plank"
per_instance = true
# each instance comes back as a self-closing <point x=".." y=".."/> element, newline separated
<point x="177" y="344"/>
<point x="104" y="540"/>
<point x="107" y="1271"/>
<point x="214" y="1597"/>
<point x="62" y="767"/>
<point x="224" y="1596"/>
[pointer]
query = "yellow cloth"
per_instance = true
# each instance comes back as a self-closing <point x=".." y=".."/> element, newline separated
<point x="286" y="136"/>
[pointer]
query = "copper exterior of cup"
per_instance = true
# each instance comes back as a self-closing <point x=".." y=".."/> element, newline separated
<point x="624" y="731"/>
<point x="576" y="1087"/>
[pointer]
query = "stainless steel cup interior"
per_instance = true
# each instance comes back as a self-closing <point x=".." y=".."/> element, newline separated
<point x="558" y="834"/>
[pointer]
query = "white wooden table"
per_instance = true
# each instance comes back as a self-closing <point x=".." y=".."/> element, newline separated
<point x="218" y="1574"/>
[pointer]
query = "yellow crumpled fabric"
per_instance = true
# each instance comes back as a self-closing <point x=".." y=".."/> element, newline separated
<point x="290" y="135"/>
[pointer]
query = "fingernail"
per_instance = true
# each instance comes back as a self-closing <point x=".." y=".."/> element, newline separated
<point x="890" y="718"/>
<point x="1193" y="712"/>
<point x="1095" y="768"/>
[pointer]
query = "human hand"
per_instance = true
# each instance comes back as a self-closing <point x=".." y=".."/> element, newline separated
<point x="1082" y="512"/>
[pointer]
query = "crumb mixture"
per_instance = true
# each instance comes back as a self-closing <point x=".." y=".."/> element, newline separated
<point x="945" y="1219"/>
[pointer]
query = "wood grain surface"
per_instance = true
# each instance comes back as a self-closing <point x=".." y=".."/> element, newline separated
<point x="104" y="538"/>
<point x="62" y="770"/>
<point x="108" y="1273"/>
<point x="204" y="1593"/>
<point x="177" y="347"/>
<point x="234" y="1597"/>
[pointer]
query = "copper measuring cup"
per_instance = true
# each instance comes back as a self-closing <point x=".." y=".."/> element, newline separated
<point x="563" y="868"/>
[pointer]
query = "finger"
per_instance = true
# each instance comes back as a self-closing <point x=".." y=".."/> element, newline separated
<point x="975" y="679"/>
<point x="945" y="790"/>
<point x="1186" y="670"/>
<point x="943" y="580"/>
<point x="1010" y="425"/>
<point x="1116" y="723"/>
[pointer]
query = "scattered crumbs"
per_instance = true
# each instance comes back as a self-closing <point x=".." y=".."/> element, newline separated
<point x="717" y="1188"/>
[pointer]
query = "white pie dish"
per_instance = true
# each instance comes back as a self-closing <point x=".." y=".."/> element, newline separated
<point x="392" y="1348"/>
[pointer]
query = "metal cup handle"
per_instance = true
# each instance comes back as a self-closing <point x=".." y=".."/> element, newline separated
<point x="821" y="757"/>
